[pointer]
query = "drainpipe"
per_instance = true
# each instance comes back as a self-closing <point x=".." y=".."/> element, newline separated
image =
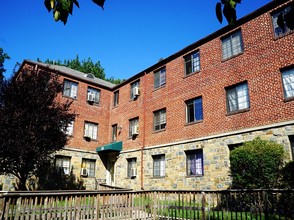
<point x="144" y="130"/>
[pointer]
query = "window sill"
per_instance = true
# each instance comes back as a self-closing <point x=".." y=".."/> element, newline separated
<point x="158" y="131"/>
<point x="193" y="122"/>
<point x="232" y="57"/>
<point x="191" y="74"/>
<point x="158" y="88"/>
<point x="115" y="106"/>
<point x="289" y="99"/>
<point x="69" y="97"/>
<point x="131" y="178"/>
<point x="158" y="177"/>
<point x="283" y="35"/>
<point x="94" y="103"/>
<point x="193" y="176"/>
<point x="238" y="111"/>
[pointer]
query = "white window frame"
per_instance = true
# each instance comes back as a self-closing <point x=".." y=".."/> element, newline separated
<point x="70" y="89"/>
<point x="63" y="163"/>
<point x="232" y="45"/>
<point x="195" y="162"/>
<point x="237" y="97"/>
<point x="159" y="165"/>
<point x="288" y="83"/>
<point x="91" y="130"/>
<point x="90" y="165"/>
<point x="133" y="85"/>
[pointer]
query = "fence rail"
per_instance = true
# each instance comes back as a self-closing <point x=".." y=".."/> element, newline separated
<point x="159" y="204"/>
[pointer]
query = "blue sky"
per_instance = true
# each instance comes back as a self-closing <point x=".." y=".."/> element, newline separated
<point x="127" y="37"/>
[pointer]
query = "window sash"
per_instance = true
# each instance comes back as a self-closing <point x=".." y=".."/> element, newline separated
<point x="195" y="163"/>
<point x="131" y="165"/>
<point x="238" y="98"/>
<point x="160" y="119"/>
<point x="90" y="166"/>
<point x="63" y="163"/>
<point x="91" y="130"/>
<point x="194" y="110"/>
<point x="133" y="85"/>
<point x="116" y="98"/>
<point x="288" y="83"/>
<point x="232" y="45"/>
<point x="133" y="122"/>
<point x="70" y="89"/>
<point x="159" y="78"/>
<point x="95" y="93"/>
<point x="192" y="63"/>
<point x="159" y="166"/>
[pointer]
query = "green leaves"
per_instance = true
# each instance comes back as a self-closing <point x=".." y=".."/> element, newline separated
<point x="62" y="8"/>
<point x="229" y="10"/>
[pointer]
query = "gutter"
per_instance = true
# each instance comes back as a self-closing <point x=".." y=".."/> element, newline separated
<point x="144" y="132"/>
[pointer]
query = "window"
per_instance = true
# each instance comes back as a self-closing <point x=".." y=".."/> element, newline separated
<point x="282" y="17"/>
<point x="195" y="162"/>
<point x="194" y="110"/>
<point x="70" y="89"/>
<point x="63" y="163"/>
<point x="91" y="130"/>
<point x="132" y="167"/>
<point x="159" y="165"/>
<point x="159" y="78"/>
<point x="288" y="83"/>
<point x="93" y="95"/>
<point x="115" y="98"/>
<point x="291" y="139"/>
<point x="134" y="123"/>
<point x="89" y="166"/>
<point x="159" y="120"/>
<point x="234" y="146"/>
<point x="237" y="97"/>
<point x="69" y="129"/>
<point x="114" y="132"/>
<point x="232" y="45"/>
<point x="192" y="63"/>
<point x="135" y="89"/>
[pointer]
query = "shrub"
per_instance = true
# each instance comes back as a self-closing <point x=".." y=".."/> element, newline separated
<point x="257" y="165"/>
<point x="288" y="175"/>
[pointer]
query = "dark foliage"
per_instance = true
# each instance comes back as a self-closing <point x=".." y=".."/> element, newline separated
<point x="229" y="11"/>
<point x="288" y="175"/>
<point x="53" y="178"/>
<point x="3" y="57"/>
<point x="32" y="123"/>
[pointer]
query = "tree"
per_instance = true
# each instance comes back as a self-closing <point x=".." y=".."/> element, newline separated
<point x="3" y="57"/>
<point x="257" y="164"/>
<point x="62" y="8"/>
<point x="85" y="66"/>
<point x="32" y="123"/>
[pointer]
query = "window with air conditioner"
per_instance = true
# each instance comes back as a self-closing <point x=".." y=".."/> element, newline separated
<point x="135" y="90"/>
<point x="88" y="167"/>
<point x="133" y="127"/>
<point x="93" y="95"/>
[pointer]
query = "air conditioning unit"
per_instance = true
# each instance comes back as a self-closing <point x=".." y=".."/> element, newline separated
<point x="84" y="172"/>
<point x="87" y="137"/>
<point x="136" y="91"/>
<point x="90" y="97"/>
<point x="133" y="172"/>
<point x="135" y="130"/>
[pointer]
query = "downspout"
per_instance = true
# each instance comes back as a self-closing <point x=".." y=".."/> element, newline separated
<point x="144" y="131"/>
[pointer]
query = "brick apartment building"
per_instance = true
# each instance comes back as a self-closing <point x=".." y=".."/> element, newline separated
<point x="172" y="125"/>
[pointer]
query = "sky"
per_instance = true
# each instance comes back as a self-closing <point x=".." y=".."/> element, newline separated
<point x="126" y="37"/>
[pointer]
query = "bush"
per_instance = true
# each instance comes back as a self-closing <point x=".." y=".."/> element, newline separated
<point x="257" y="165"/>
<point x="288" y="175"/>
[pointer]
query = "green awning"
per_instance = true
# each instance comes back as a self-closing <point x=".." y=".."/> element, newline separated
<point x="115" y="146"/>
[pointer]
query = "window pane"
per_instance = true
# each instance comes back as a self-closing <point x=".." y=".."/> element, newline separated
<point x="198" y="109"/>
<point x="188" y="65"/>
<point x="196" y="62"/>
<point x="195" y="162"/>
<point x="243" y="98"/>
<point x="156" y="79"/>
<point x="288" y="82"/>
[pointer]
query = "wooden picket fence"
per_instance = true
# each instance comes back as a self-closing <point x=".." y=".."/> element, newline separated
<point x="157" y="204"/>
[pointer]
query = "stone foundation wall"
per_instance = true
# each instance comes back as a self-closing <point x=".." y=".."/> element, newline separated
<point x="215" y="158"/>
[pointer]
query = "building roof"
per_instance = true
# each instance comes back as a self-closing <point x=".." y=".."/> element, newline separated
<point x="88" y="77"/>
